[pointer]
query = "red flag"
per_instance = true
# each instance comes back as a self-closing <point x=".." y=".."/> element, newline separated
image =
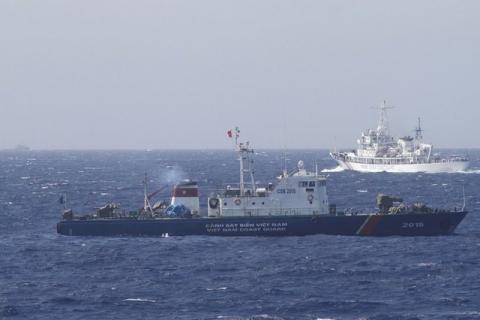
<point x="229" y="133"/>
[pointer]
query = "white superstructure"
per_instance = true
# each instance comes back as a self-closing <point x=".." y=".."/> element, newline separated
<point x="298" y="193"/>
<point x="378" y="151"/>
<point x="186" y="193"/>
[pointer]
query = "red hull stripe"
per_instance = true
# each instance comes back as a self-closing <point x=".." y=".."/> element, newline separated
<point x="185" y="192"/>
<point x="369" y="225"/>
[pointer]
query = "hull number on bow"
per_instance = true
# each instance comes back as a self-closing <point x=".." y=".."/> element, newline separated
<point x="410" y="225"/>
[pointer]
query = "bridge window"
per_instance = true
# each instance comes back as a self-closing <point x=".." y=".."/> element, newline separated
<point x="303" y="184"/>
<point x="311" y="183"/>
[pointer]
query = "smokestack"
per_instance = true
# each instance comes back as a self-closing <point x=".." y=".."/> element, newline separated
<point x="186" y="193"/>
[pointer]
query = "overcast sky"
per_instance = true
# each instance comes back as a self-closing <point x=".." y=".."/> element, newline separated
<point x="110" y="74"/>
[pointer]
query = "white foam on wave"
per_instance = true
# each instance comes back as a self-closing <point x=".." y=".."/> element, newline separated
<point x="473" y="313"/>
<point x="336" y="169"/>
<point x="426" y="264"/>
<point x="139" y="300"/>
<point x="217" y="289"/>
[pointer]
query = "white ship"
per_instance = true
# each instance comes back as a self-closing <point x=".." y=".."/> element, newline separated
<point x="379" y="152"/>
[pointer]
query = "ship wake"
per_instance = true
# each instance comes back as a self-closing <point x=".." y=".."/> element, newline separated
<point x="470" y="171"/>
<point x="336" y="169"/>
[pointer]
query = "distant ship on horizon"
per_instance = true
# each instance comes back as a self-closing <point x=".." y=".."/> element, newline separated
<point x="17" y="148"/>
<point x="21" y="147"/>
<point x="378" y="151"/>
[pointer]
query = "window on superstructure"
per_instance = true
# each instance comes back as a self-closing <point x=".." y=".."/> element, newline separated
<point x="303" y="184"/>
<point x="311" y="183"/>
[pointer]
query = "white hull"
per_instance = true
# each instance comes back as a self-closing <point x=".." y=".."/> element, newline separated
<point x="436" y="167"/>
<point x="378" y="151"/>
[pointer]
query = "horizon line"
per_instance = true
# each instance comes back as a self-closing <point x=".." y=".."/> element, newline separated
<point x="197" y="149"/>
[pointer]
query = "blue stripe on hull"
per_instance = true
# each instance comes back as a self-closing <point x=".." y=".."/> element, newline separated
<point x="365" y="225"/>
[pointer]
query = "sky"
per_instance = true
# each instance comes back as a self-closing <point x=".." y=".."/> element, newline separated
<point x="177" y="74"/>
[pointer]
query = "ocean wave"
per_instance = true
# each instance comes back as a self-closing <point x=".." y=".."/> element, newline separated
<point x="139" y="300"/>
<point x="63" y="300"/>
<point x="264" y="317"/>
<point x="9" y="311"/>
<point x="217" y="289"/>
<point x="426" y="264"/>
<point x="253" y="317"/>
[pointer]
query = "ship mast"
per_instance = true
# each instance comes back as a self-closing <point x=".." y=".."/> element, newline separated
<point x="419" y="131"/>
<point x="382" y="128"/>
<point x="383" y="134"/>
<point x="146" y="202"/>
<point x="245" y="157"/>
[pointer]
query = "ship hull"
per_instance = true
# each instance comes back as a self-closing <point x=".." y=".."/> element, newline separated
<point x="433" y="167"/>
<point x="430" y="224"/>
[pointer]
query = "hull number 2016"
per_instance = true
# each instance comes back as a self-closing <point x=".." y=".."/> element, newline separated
<point x="410" y="225"/>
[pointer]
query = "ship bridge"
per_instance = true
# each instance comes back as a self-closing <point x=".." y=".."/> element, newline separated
<point x="298" y="193"/>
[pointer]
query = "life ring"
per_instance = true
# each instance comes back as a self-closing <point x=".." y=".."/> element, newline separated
<point x="310" y="197"/>
<point x="213" y="203"/>
<point x="237" y="201"/>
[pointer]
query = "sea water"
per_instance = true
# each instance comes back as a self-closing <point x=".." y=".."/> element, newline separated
<point x="47" y="276"/>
